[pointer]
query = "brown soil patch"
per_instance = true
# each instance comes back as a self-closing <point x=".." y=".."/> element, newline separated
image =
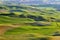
<point x="5" y="27"/>
<point x="56" y="38"/>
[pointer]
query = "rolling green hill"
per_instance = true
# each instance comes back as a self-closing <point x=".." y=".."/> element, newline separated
<point x="33" y="22"/>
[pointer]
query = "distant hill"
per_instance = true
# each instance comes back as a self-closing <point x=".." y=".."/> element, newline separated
<point x="31" y="2"/>
<point x="31" y="12"/>
<point x="56" y="6"/>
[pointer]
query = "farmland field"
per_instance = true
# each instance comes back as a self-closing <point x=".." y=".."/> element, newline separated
<point x="29" y="23"/>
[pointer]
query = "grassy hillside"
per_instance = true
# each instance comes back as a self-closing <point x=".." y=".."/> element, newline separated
<point x="29" y="23"/>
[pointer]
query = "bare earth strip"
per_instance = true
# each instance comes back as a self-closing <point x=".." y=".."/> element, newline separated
<point x="5" y="27"/>
<point x="56" y="38"/>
